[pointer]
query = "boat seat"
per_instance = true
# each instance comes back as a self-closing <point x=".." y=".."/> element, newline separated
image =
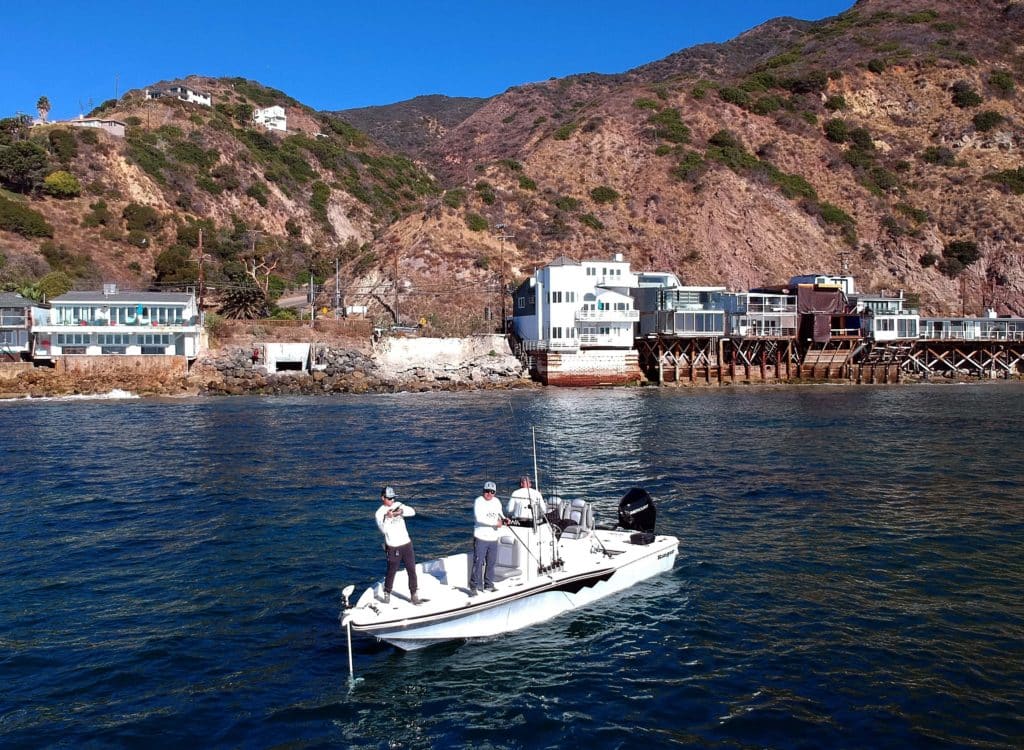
<point x="507" y="563"/>
<point x="577" y="519"/>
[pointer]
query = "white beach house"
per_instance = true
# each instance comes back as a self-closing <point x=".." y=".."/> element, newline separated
<point x="111" y="322"/>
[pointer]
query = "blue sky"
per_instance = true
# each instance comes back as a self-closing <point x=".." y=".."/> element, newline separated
<point x="337" y="55"/>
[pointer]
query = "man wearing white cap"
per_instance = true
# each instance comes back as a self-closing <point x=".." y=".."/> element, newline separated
<point x="397" y="544"/>
<point x="487" y="522"/>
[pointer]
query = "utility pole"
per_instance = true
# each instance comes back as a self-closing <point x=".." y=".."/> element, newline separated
<point x="501" y="269"/>
<point x="398" y="318"/>
<point x="337" y="286"/>
<point x="202" y="278"/>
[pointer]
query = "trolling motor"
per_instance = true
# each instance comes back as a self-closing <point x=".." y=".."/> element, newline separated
<point x="637" y="513"/>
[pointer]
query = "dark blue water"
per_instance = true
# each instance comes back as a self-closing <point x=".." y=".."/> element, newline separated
<point x="850" y="576"/>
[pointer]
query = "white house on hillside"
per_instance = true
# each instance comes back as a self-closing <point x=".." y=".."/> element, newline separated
<point x="184" y="93"/>
<point x="570" y="306"/>
<point x="272" y="118"/>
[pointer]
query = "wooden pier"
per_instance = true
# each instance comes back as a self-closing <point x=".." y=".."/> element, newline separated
<point x="714" y="360"/>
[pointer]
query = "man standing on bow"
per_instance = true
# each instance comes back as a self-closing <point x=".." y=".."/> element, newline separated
<point x="397" y="545"/>
<point x="487" y="522"/>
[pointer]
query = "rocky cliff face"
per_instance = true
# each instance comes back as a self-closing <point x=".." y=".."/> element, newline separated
<point x="885" y="141"/>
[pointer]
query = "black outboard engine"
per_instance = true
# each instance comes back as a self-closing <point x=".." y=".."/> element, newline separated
<point x="637" y="512"/>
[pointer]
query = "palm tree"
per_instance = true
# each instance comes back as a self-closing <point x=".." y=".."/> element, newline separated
<point x="43" y="105"/>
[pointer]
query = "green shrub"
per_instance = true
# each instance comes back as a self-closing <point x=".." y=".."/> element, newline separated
<point x="62" y="184"/>
<point x="148" y="157"/>
<point x="526" y="183"/>
<point x="836" y="130"/>
<point x="188" y="152"/>
<point x="766" y="105"/>
<point x="1001" y="81"/>
<point x="511" y="165"/>
<point x="318" y="200"/>
<point x="668" y="126"/>
<point x="137" y="238"/>
<point x="734" y="95"/>
<point x="565" y="132"/>
<point x="591" y="221"/>
<point x="141" y="218"/>
<point x="861" y="138"/>
<point x="454" y="198"/>
<point x="486" y="192"/>
<point x="918" y="215"/>
<point x="985" y="121"/>
<point x="646" y="104"/>
<point x="689" y="168"/>
<point x="928" y="260"/>
<point x="61" y="259"/>
<point x="54" y="284"/>
<point x="1010" y="179"/>
<point x="604" y="194"/>
<point x="876" y="65"/>
<point x="258" y="193"/>
<point x="63" y="145"/>
<point x="920" y="16"/>
<point x="99" y="215"/>
<point x="14" y="217"/>
<point x="566" y="203"/>
<point x="812" y="82"/>
<point x="792" y="185"/>
<point x="964" y="95"/>
<point x="173" y="266"/>
<point x="957" y="255"/>
<point x="835" y="103"/>
<point x="939" y="155"/>
<point x="89" y="136"/>
<point x="476" y="222"/>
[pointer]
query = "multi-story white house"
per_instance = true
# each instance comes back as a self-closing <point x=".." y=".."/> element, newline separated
<point x="177" y="91"/>
<point x="272" y="118"/>
<point x="110" y="322"/>
<point x="760" y="314"/>
<point x="569" y="306"/>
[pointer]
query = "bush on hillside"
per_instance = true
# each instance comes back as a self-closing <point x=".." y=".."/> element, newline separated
<point x="14" y="217"/>
<point x="62" y="184"/>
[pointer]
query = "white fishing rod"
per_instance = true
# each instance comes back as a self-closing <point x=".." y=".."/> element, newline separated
<point x="347" y="621"/>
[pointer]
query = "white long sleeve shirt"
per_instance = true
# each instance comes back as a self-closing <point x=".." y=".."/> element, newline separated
<point x="487" y="517"/>
<point x="393" y="529"/>
<point x="519" y="502"/>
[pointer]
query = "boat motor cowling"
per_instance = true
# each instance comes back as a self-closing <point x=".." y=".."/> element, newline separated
<point x="637" y="511"/>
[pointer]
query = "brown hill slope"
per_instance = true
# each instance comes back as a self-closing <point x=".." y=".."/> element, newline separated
<point x="887" y="140"/>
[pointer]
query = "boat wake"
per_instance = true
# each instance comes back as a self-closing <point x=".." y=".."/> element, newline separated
<point x="115" y="394"/>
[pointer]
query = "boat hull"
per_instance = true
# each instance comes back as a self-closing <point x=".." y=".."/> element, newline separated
<point x="593" y="568"/>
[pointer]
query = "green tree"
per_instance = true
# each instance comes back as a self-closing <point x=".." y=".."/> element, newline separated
<point x="43" y="107"/>
<point x="62" y="184"/>
<point x="22" y="220"/>
<point x="22" y="166"/>
<point x="55" y="284"/>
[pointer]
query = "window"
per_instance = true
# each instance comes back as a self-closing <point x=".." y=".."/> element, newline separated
<point x="73" y="339"/>
<point x="556" y="297"/>
<point x="521" y="303"/>
<point x="556" y="332"/>
<point x="113" y="339"/>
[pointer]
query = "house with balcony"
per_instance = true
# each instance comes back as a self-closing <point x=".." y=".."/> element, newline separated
<point x="118" y="323"/>
<point x="990" y="327"/>
<point x="884" y="317"/>
<point x="668" y="308"/>
<point x="272" y="118"/>
<point x="178" y="91"/>
<point x="16" y="315"/>
<point x="576" y="322"/>
<point x="760" y="313"/>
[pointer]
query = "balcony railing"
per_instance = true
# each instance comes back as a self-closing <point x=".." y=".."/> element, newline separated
<point x="555" y="345"/>
<point x="617" y="316"/>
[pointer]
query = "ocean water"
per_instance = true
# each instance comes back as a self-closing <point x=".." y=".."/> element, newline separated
<point x="850" y="574"/>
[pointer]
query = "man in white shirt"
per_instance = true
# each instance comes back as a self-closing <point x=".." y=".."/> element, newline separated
<point x="487" y="522"/>
<point x="397" y="544"/>
<point x="526" y="503"/>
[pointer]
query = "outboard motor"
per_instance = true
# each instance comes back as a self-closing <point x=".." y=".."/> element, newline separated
<point x="637" y="511"/>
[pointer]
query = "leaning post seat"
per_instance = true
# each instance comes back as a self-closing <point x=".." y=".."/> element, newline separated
<point x="577" y="519"/>
<point x="507" y="564"/>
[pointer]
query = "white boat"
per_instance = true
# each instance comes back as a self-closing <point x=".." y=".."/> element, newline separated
<point x="546" y="566"/>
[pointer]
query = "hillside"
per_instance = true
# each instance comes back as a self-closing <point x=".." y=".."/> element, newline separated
<point x="886" y="140"/>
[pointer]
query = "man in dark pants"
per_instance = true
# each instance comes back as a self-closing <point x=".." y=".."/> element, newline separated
<point x="397" y="544"/>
